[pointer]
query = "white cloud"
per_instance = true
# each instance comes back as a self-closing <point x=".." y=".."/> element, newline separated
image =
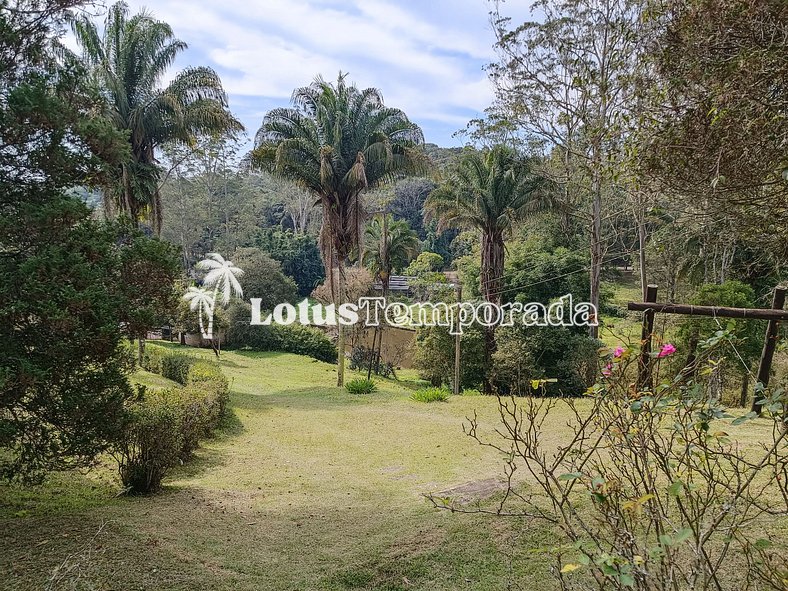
<point x="424" y="61"/>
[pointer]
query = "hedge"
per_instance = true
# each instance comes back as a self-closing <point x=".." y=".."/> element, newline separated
<point x="292" y="338"/>
<point x="164" y="427"/>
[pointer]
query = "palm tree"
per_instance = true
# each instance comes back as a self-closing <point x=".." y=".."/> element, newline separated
<point x="223" y="277"/>
<point x="388" y="244"/>
<point x="336" y="142"/>
<point x="488" y="191"/>
<point x="127" y="64"/>
<point x="201" y="300"/>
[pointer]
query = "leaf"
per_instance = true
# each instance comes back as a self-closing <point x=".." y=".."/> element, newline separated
<point x="676" y="488"/>
<point x="571" y="476"/>
<point x="682" y="536"/>
<point x="570" y="567"/>
<point x="627" y="580"/>
<point x="665" y="540"/>
<point x="744" y="418"/>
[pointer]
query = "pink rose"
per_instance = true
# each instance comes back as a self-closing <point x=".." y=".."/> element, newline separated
<point x="608" y="371"/>
<point x="667" y="349"/>
<point x="619" y="351"/>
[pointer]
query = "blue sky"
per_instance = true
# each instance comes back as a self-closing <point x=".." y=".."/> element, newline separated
<point x="426" y="56"/>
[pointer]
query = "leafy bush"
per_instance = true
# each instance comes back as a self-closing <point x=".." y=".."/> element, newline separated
<point x="164" y="427"/>
<point x="175" y="366"/>
<point x="653" y="488"/>
<point x="434" y="356"/>
<point x="149" y="445"/>
<point x="431" y="395"/>
<point x="151" y="360"/>
<point x="534" y="353"/>
<point x="294" y="338"/>
<point x="361" y="386"/>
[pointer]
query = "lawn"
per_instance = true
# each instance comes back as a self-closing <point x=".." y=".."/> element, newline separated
<point x="307" y="487"/>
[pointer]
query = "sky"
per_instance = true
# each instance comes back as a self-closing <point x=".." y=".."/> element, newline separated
<point x="426" y="56"/>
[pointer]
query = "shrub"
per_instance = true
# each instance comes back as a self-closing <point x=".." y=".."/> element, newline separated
<point x="652" y="487"/>
<point x="431" y="395"/>
<point x="164" y="427"/>
<point x="361" y="356"/>
<point x="294" y="338"/>
<point x="361" y="386"/>
<point x="175" y="366"/>
<point x="151" y="360"/>
<point x="533" y="353"/>
<point x="149" y="445"/>
<point x="434" y="356"/>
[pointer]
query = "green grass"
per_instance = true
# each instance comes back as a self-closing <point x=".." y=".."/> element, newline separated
<point x="307" y="487"/>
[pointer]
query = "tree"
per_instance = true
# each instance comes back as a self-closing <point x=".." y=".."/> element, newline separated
<point x="298" y="254"/>
<point x="149" y="269"/>
<point x="264" y="278"/>
<point x="389" y="245"/>
<point x="488" y="191"/>
<point x="337" y="142"/>
<point x="127" y="63"/>
<point x="719" y="75"/>
<point x="567" y="83"/>
<point x="63" y="365"/>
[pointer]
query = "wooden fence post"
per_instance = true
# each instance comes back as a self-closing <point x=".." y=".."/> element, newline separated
<point x="769" y="344"/>
<point x="644" y="366"/>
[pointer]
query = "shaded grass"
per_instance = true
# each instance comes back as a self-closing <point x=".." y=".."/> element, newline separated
<point x="306" y="487"/>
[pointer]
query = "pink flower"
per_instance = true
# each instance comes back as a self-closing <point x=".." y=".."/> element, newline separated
<point x="619" y="351"/>
<point x="667" y="349"/>
<point x="608" y="371"/>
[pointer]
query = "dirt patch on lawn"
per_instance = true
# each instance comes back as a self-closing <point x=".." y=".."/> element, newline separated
<point x="475" y="490"/>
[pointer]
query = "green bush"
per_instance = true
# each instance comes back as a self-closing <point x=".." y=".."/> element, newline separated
<point x="149" y="445"/>
<point x="431" y="395"/>
<point x="294" y="338"/>
<point x="175" y="366"/>
<point x="164" y="427"/>
<point x="361" y="386"/>
<point x="151" y="361"/>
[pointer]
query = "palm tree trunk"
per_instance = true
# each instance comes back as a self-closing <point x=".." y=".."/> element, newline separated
<point x="341" y="330"/>
<point x="492" y="273"/>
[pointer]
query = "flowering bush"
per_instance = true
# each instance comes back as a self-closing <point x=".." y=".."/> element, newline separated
<point x="650" y="488"/>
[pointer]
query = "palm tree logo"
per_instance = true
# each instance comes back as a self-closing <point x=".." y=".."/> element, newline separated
<point x="222" y="275"/>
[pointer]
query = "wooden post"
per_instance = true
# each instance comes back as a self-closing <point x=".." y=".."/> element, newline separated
<point x="769" y="344"/>
<point x="644" y="367"/>
<point x="458" y="287"/>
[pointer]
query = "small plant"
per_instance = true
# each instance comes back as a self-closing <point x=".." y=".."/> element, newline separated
<point x="431" y="395"/>
<point x="361" y="386"/>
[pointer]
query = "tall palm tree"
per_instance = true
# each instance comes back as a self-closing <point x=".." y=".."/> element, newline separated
<point x="223" y="277"/>
<point x="336" y="142"/>
<point x="388" y="245"/>
<point x="202" y="301"/>
<point x="488" y="191"/>
<point x="127" y="62"/>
